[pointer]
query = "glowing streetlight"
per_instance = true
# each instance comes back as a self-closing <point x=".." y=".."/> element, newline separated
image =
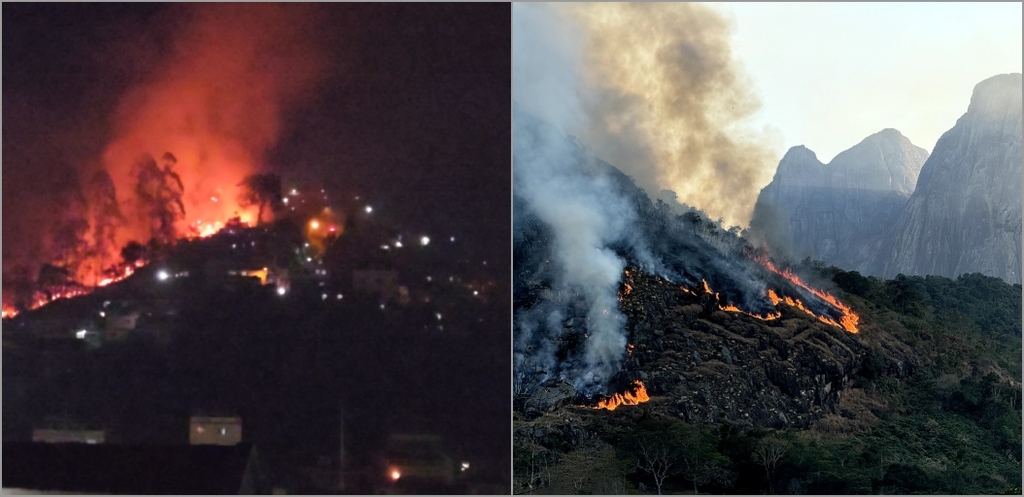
<point x="395" y="474"/>
<point x="314" y="224"/>
<point x="281" y="290"/>
<point x="369" y="209"/>
<point x="425" y="241"/>
<point x="162" y="275"/>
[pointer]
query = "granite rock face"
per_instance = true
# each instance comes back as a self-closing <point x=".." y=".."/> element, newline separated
<point x="840" y="212"/>
<point x="965" y="215"/>
<point x="884" y="207"/>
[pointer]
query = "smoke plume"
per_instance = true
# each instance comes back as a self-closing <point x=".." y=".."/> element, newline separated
<point x="659" y="95"/>
<point x="653" y="90"/>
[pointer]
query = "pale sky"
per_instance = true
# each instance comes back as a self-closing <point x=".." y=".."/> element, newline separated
<point x="829" y="75"/>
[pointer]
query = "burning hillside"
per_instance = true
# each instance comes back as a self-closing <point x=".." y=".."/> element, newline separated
<point x="585" y="233"/>
<point x="183" y="157"/>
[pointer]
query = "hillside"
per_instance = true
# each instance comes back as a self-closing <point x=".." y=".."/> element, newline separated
<point x="740" y="373"/>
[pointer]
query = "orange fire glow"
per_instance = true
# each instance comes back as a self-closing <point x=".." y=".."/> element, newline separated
<point x="635" y="396"/>
<point x="848" y="321"/>
<point x="41" y="300"/>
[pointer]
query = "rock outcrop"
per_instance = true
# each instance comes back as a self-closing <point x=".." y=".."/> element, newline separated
<point x="882" y="209"/>
<point x="965" y="215"/>
<point x="839" y="212"/>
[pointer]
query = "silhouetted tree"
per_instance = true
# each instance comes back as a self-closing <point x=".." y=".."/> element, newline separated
<point x="263" y="190"/>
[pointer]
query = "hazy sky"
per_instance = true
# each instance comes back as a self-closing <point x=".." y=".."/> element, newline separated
<point x="829" y="75"/>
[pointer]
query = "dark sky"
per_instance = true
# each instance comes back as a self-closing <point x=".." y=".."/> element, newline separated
<point x="412" y="111"/>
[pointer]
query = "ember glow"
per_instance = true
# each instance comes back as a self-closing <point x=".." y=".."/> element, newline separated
<point x="632" y="397"/>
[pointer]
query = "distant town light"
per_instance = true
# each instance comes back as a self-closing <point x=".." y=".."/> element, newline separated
<point x="285" y="200"/>
<point x="475" y="293"/>
<point x="80" y="334"/>
<point x="213" y="199"/>
<point x="452" y="239"/>
<point x="465" y="466"/>
<point x="438" y="316"/>
<point x="398" y="244"/>
<point x="103" y="314"/>
<point x="294" y="192"/>
<point x="281" y="290"/>
<point x="323" y="297"/>
<point x="395" y="474"/>
<point x="425" y="241"/>
<point x="369" y="209"/>
<point x="340" y="296"/>
<point x="430" y="278"/>
<point x="162" y="275"/>
<point x="314" y="224"/>
<point x="382" y="307"/>
<point x="385" y="247"/>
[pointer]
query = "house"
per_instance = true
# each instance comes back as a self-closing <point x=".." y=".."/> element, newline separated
<point x="125" y="469"/>
<point x="213" y="430"/>
<point x="119" y="324"/>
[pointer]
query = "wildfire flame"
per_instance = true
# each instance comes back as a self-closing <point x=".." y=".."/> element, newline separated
<point x="635" y="396"/>
<point x="849" y="319"/>
<point x="54" y="295"/>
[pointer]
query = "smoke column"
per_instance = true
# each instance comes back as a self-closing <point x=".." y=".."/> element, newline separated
<point x="217" y="103"/>
<point x="581" y="209"/>
<point x="653" y="90"/>
<point x="661" y="97"/>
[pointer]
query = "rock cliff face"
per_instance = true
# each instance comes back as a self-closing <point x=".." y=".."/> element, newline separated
<point x="839" y="212"/>
<point x="884" y="207"/>
<point x="965" y="215"/>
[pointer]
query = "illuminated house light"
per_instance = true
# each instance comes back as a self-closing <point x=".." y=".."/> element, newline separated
<point x="162" y="275"/>
<point x="369" y="209"/>
<point x="340" y="296"/>
<point x="452" y="239"/>
<point x="395" y="474"/>
<point x="465" y="466"/>
<point x="425" y="241"/>
<point x="398" y="244"/>
<point x="80" y="334"/>
<point x="281" y="290"/>
<point x="314" y="224"/>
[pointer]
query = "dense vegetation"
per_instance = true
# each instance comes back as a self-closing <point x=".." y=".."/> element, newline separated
<point x="949" y="425"/>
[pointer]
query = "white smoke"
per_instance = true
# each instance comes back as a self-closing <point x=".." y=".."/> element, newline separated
<point x="580" y="206"/>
